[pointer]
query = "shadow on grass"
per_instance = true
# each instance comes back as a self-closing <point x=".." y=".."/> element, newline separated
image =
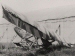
<point x="48" y="50"/>
<point x="43" y="51"/>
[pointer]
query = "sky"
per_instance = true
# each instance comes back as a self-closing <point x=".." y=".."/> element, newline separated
<point x="34" y="5"/>
<point x="31" y="5"/>
<point x="10" y="33"/>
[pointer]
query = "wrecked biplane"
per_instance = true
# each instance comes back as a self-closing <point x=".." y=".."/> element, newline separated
<point x="37" y="29"/>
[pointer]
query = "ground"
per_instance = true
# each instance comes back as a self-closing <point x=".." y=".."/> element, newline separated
<point x="20" y="52"/>
<point x="17" y="51"/>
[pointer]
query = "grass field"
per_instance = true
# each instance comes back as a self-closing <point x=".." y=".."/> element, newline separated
<point x="17" y="51"/>
<point x="21" y="52"/>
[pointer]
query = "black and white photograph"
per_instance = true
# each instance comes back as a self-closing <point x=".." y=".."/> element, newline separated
<point x="37" y="27"/>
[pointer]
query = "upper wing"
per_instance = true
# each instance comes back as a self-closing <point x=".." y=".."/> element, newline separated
<point x="38" y="30"/>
